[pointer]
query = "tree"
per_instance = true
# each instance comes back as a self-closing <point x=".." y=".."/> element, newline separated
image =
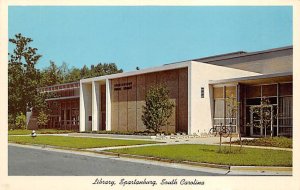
<point x="104" y="69"/>
<point x="232" y="106"/>
<point x="51" y="75"/>
<point x="23" y="77"/>
<point x="265" y="113"/>
<point x="158" y="108"/>
<point x="64" y="70"/>
<point x="73" y="75"/>
<point x="84" y="72"/>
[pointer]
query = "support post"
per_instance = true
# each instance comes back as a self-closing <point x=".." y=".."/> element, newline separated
<point x="95" y="106"/>
<point x="108" y="104"/>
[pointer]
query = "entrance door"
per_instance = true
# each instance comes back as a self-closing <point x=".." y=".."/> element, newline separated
<point x="261" y="121"/>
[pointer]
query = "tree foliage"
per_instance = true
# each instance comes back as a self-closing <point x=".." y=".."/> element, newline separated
<point x="23" y="77"/>
<point x="232" y="106"/>
<point x="42" y="119"/>
<point x="21" y="121"/>
<point x="158" y="108"/>
<point x="63" y="74"/>
<point x="265" y="113"/>
<point x="51" y="75"/>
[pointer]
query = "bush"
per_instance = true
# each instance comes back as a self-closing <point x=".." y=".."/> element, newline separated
<point x="11" y="122"/>
<point x="158" y="108"/>
<point x="281" y="142"/>
<point x="21" y="121"/>
<point x="42" y="118"/>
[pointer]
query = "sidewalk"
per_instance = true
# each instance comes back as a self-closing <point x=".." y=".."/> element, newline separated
<point x="168" y="141"/>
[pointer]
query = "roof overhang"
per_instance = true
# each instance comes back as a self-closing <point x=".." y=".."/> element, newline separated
<point x="259" y="79"/>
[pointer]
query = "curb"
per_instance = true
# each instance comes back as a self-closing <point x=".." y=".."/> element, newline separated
<point x="202" y="164"/>
<point x="261" y="168"/>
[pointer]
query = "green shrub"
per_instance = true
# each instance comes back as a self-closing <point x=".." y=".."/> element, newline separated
<point x="42" y="118"/>
<point x="281" y="142"/>
<point x="21" y="121"/>
<point x="11" y="122"/>
<point x="158" y="108"/>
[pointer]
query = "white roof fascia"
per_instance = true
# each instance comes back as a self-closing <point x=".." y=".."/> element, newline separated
<point x="138" y="72"/>
<point x="261" y="76"/>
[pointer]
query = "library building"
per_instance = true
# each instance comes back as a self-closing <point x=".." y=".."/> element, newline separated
<point x="200" y="89"/>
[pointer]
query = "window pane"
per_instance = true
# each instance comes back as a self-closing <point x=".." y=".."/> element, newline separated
<point x="219" y="108"/>
<point x="285" y="111"/>
<point x="285" y="89"/>
<point x="253" y="91"/>
<point x="269" y="90"/>
<point x="218" y="92"/>
<point x="230" y="91"/>
<point x="253" y="101"/>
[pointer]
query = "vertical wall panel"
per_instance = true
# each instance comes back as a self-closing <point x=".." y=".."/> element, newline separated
<point x="103" y="107"/>
<point x="123" y="105"/>
<point x="141" y="92"/>
<point x="183" y="100"/>
<point x="150" y="80"/>
<point x="114" y="106"/>
<point x="172" y="84"/>
<point x="132" y="96"/>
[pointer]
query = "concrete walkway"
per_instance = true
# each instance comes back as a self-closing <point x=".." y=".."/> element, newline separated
<point x="112" y="136"/>
<point x="168" y="141"/>
<point x="165" y="141"/>
<point x="60" y="134"/>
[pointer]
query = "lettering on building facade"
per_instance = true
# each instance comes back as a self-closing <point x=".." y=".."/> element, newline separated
<point x="123" y="86"/>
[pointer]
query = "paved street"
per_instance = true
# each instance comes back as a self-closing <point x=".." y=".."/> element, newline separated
<point x="38" y="162"/>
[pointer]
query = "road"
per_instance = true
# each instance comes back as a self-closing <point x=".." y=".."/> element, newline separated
<point x="38" y="162"/>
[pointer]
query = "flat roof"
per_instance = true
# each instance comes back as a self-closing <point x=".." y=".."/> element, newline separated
<point x="239" y="54"/>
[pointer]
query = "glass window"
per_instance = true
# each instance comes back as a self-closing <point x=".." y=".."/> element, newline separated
<point x="273" y="100"/>
<point x="285" y="89"/>
<point x="253" y="91"/>
<point x="219" y="108"/>
<point x="285" y="111"/>
<point x="218" y="92"/>
<point x="269" y="90"/>
<point x="253" y="101"/>
<point x="230" y="91"/>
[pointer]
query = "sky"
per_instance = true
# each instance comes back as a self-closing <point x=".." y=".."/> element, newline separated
<point x="147" y="36"/>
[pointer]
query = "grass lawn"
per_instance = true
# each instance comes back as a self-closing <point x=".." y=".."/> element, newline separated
<point x="75" y="142"/>
<point x="282" y="142"/>
<point x="209" y="154"/>
<point x="39" y="131"/>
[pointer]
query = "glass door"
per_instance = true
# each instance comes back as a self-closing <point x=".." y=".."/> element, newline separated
<point x="261" y="119"/>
